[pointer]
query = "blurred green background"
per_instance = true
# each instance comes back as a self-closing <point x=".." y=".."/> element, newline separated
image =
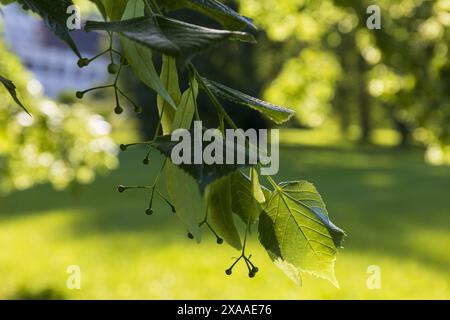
<point x="371" y="132"/>
<point x="393" y="206"/>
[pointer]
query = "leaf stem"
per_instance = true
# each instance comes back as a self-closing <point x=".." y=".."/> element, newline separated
<point x="272" y="182"/>
<point x="155" y="6"/>
<point x="220" y="109"/>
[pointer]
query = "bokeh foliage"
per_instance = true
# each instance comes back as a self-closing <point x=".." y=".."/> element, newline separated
<point x="340" y="71"/>
<point x="58" y="143"/>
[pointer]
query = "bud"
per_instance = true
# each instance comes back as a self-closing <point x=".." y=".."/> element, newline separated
<point x="83" y="62"/>
<point x="123" y="147"/>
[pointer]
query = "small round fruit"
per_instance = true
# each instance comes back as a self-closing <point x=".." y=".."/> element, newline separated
<point x="219" y="240"/>
<point x="228" y="272"/>
<point x="121" y="189"/>
<point x="149" y="212"/>
<point x="251" y="274"/>
<point x="113" y="68"/>
<point x="118" y="110"/>
<point x="83" y="62"/>
<point x="190" y="236"/>
<point x="79" y="94"/>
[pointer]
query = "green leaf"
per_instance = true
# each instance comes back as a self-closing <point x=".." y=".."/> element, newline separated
<point x="216" y="10"/>
<point x="244" y="203"/>
<point x="140" y="57"/>
<point x="55" y="17"/>
<point x="276" y="113"/>
<point x="220" y="216"/>
<point x="186" y="110"/>
<point x="114" y="8"/>
<point x="203" y="173"/>
<point x="186" y="198"/>
<point x="9" y="85"/>
<point x="297" y="233"/>
<point x="257" y="191"/>
<point x="169" y="78"/>
<point x="5" y="2"/>
<point x="101" y="7"/>
<point x="169" y="36"/>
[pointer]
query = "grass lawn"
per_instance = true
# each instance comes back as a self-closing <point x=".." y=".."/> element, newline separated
<point x="395" y="209"/>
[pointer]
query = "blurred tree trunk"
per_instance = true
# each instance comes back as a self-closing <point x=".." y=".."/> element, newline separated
<point x="341" y="107"/>
<point x="402" y="127"/>
<point x="404" y="130"/>
<point x="364" y="103"/>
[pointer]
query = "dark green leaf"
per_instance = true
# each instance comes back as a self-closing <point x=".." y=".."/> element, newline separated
<point x="275" y="113"/>
<point x="297" y="233"/>
<point x="220" y="216"/>
<point x="9" y="85"/>
<point x="5" y="2"/>
<point x="203" y="173"/>
<point x="216" y="10"/>
<point x="169" y="36"/>
<point x="55" y="17"/>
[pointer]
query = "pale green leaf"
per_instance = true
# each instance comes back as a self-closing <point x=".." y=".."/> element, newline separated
<point x="296" y="231"/>
<point x="101" y="7"/>
<point x="257" y="191"/>
<point x="115" y="8"/>
<point x="169" y="78"/>
<point x="220" y="215"/>
<point x="243" y="202"/>
<point x="140" y="57"/>
<point x="185" y="196"/>
<point x="186" y="109"/>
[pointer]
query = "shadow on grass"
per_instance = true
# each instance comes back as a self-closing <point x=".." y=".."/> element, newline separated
<point x="379" y="196"/>
<point x="43" y="294"/>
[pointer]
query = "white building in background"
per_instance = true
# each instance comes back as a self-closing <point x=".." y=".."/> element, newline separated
<point x="48" y="58"/>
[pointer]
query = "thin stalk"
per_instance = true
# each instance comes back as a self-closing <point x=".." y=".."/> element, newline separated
<point x="220" y="109"/>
